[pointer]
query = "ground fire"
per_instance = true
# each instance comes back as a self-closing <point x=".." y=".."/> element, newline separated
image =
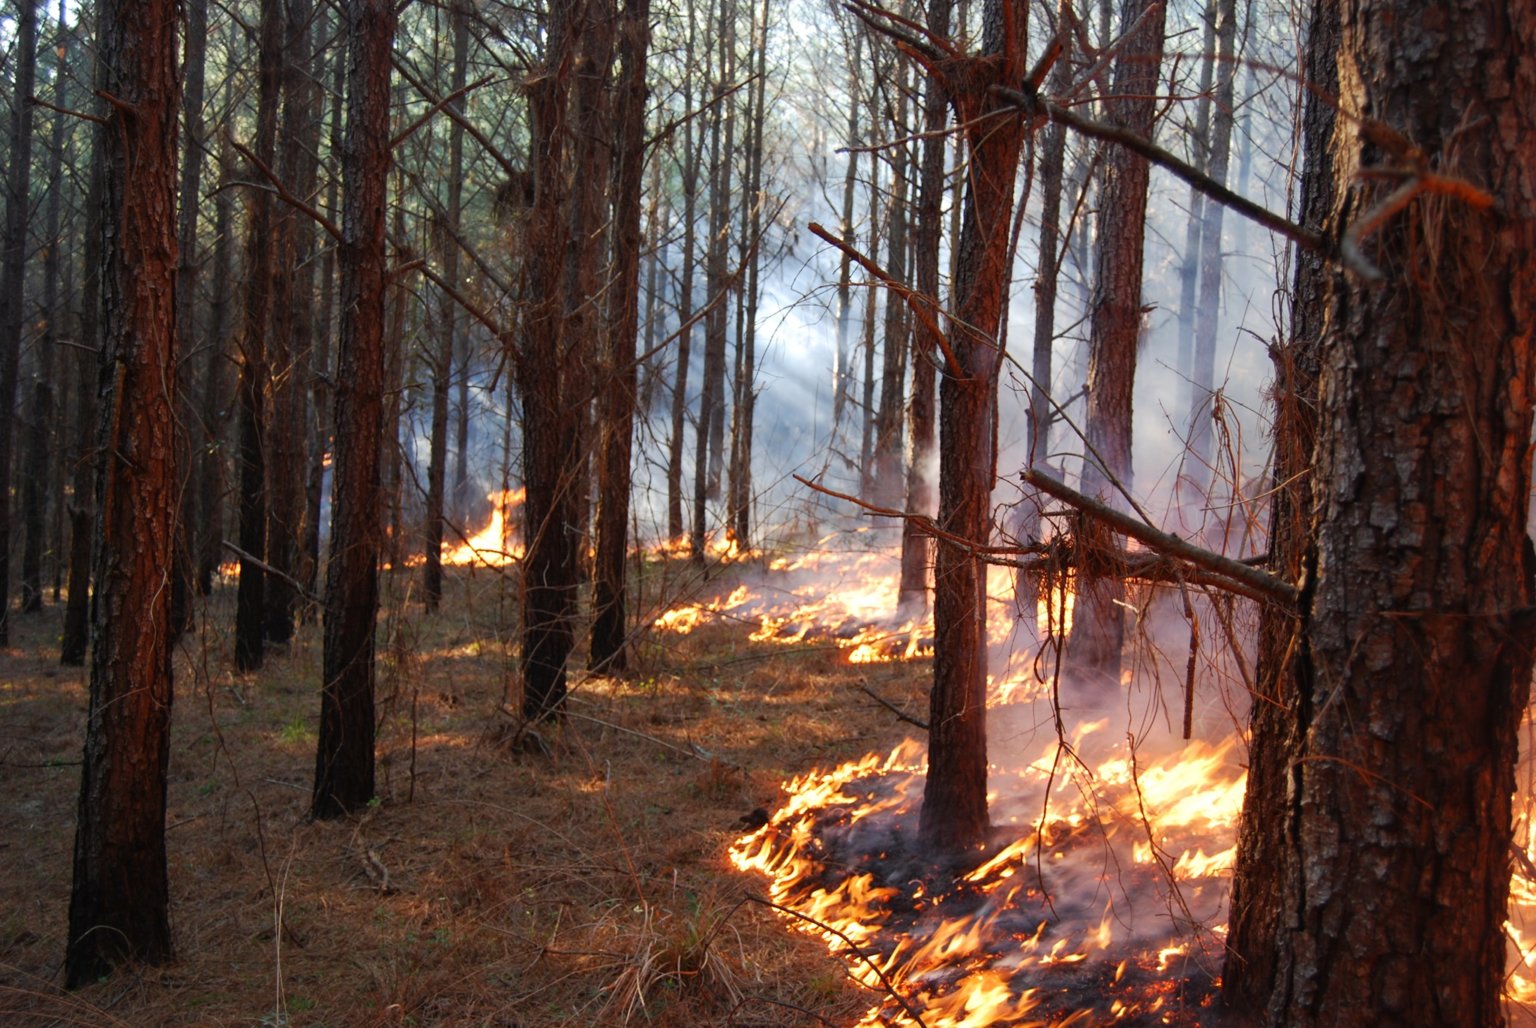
<point x="1101" y="896"/>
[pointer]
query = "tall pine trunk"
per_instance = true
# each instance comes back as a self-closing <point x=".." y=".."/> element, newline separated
<point x="13" y="272"/>
<point x="1412" y="670"/>
<point x="118" y="907"/>
<point x="1098" y="632"/>
<point x="616" y="400"/>
<point x="954" y="811"/>
<point x="344" y="756"/>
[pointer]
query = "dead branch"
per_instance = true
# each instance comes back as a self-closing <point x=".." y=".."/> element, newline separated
<point x="281" y="191"/>
<point x="436" y="106"/>
<point x="901" y="715"/>
<point x="912" y="297"/>
<point x="1253" y="578"/>
<point x="1037" y="106"/>
<point x="269" y="569"/>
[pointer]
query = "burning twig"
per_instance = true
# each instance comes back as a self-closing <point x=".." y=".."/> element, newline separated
<point x="885" y="982"/>
<point x="1241" y="577"/>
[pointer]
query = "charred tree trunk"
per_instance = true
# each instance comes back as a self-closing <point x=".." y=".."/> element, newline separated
<point x="954" y="811"/>
<point x="344" y="757"/>
<point x="1413" y="668"/>
<point x="1098" y="632"/>
<point x="118" y="907"/>
<point x="322" y="369"/>
<point x="448" y="312"/>
<point x="842" y="356"/>
<point x="617" y="399"/>
<point x="928" y="232"/>
<point x="250" y="599"/>
<point x="706" y="466"/>
<point x="212" y="458"/>
<point x="13" y="272"/>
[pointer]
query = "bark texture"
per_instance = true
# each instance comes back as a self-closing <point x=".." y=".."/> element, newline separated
<point x="119" y="899"/>
<point x="344" y="758"/>
<point x="1098" y="632"/>
<point x="1415" y="638"/>
<point x="566" y="100"/>
<point x="13" y="269"/>
<point x="954" y="811"/>
<point x="610" y="622"/>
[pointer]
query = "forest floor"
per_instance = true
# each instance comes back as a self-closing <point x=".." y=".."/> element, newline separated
<point x="579" y="879"/>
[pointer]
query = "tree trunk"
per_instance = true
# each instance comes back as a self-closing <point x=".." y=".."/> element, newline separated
<point x="77" y="610"/>
<point x="929" y="231"/>
<point x="888" y="472"/>
<point x="1098" y="632"/>
<point x="954" y="811"/>
<point x="442" y="364"/>
<point x="213" y="464"/>
<point x="13" y="272"/>
<point x="706" y="467"/>
<point x="738" y="515"/>
<point x="617" y="399"/>
<point x="1208" y="316"/>
<point x="250" y="599"/>
<point x="843" y="354"/>
<point x="1259" y="902"/>
<point x="567" y="119"/>
<point x="690" y="173"/>
<point x="344" y="757"/>
<point x="118" y="907"/>
<point x="292" y="328"/>
<point x="1413" y="669"/>
<point x="1053" y="155"/>
<point x="38" y="479"/>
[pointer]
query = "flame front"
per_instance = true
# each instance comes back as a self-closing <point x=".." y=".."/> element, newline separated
<point x="494" y="545"/>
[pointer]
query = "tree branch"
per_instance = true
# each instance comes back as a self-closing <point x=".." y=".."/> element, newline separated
<point x="1255" y="579"/>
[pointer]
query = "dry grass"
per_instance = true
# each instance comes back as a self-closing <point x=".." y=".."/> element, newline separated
<point x="583" y="882"/>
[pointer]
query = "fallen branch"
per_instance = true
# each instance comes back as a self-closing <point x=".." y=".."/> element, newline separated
<point x="269" y="569"/>
<point x="1255" y="579"/>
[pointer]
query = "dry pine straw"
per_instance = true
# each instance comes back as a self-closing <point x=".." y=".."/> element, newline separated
<point x="579" y="882"/>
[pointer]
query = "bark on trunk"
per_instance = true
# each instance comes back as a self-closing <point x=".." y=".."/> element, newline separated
<point x="448" y="314"/>
<point x="1258" y="904"/>
<point x="617" y="402"/>
<point x="929" y="230"/>
<point x="1098" y="632"/>
<point x="13" y="271"/>
<point x="250" y="598"/>
<point x="954" y="811"/>
<point x="568" y="116"/>
<point x="1414" y="661"/>
<point x="119" y="899"/>
<point x="344" y="757"/>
